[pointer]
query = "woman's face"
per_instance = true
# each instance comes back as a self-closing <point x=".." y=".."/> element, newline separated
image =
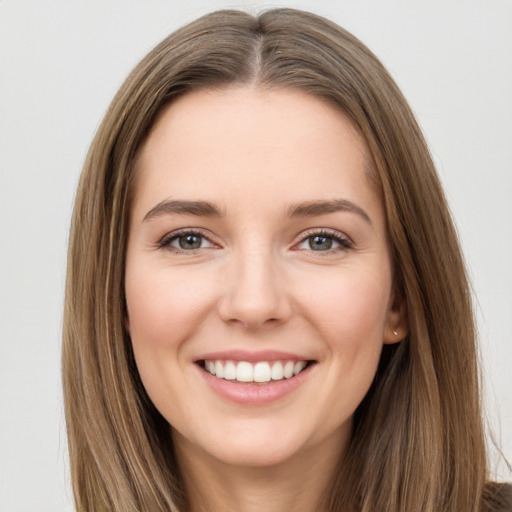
<point x="257" y="250"/>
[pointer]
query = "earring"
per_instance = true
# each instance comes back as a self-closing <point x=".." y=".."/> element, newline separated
<point x="395" y="333"/>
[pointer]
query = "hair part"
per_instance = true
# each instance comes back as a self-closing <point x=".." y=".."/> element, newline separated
<point x="418" y="439"/>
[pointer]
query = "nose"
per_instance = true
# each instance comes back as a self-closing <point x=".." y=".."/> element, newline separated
<point x="254" y="294"/>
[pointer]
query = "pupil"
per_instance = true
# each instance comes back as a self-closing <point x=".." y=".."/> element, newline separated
<point x="320" y="243"/>
<point x="190" y="242"/>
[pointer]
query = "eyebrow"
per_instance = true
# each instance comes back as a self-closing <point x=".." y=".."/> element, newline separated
<point x="312" y="208"/>
<point x="198" y="208"/>
<point x="207" y="209"/>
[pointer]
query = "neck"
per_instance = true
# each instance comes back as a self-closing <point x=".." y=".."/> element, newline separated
<point x="299" y="484"/>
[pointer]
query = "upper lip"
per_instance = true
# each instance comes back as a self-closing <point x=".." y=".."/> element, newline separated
<point x="249" y="356"/>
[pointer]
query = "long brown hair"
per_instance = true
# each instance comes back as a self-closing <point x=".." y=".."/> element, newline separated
<point x="418" y="441"/>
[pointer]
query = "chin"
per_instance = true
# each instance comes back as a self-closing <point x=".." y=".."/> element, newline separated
<point x="248" y="455"/>
<point x="256" y="443"/>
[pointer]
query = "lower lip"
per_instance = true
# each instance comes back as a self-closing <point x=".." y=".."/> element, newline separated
<point x="255" y="393"/>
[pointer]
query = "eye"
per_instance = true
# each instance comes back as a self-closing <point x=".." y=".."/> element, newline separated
<point x="325" y="241"/>
<point x="185" y="241"/>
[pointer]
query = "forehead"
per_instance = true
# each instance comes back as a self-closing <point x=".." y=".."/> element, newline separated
<point x="241" y="141"/>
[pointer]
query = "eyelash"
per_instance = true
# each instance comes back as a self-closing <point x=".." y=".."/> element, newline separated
<point x="344" y="242"/>
<point x="165" y="242"/>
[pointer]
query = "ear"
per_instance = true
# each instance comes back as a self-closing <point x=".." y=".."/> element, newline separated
<point x="397" y="325"/>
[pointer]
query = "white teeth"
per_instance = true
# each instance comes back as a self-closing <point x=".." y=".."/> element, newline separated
<point x="299" y="366"/>
<point x="277" y="371"/>
<point x="230" y="370"/>
<point x="288" y="369"/>
<point x="219" y="369"/>
<point x="263" y="371"/>
<point x="244" y="372"/>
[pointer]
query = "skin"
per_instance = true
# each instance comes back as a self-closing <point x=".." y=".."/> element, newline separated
<point x="255" y="283"/>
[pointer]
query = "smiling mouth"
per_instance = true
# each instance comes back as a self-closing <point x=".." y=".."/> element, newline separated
<point x="261" y="372"/>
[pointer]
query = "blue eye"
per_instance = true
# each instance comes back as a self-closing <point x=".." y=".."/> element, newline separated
<point x="188" y="242"/>
<point x="185" y="241"/>
<point x="320" y="243"/>
<point x="324" y="242"/>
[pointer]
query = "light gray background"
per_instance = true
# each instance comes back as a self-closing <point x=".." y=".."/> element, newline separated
<point x="61" y="63"/>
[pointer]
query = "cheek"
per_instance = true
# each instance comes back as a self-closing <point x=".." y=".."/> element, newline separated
<point x="164" y="304"/>
<point x="350" y="308"/>
<point x="165" y="307"/>
<point x="350" y="316"/>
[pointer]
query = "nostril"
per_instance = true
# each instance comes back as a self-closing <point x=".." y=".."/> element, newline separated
<point x="252" y="322"/>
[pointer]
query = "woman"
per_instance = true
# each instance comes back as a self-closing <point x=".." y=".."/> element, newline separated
<point x="267" y="307"/>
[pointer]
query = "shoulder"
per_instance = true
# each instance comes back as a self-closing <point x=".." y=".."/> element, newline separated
<point x="498" y="497"/>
